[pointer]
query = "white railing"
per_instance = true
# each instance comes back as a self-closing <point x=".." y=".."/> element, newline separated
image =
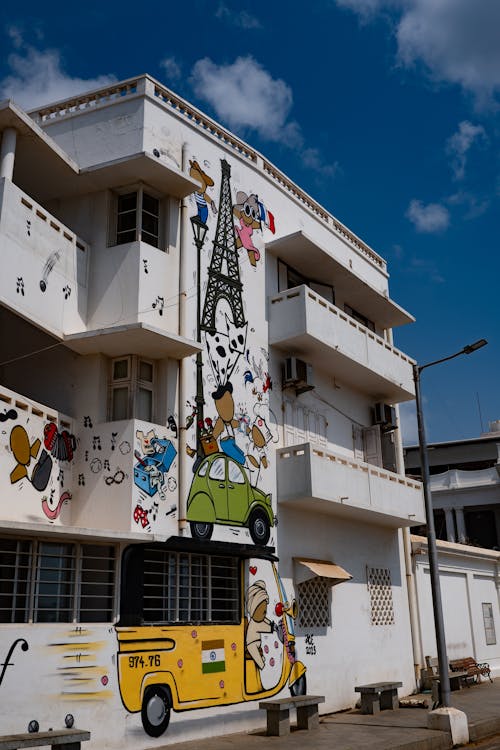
<point x="145" y="85"/>
<point x="338" y="314"/>
<point x="350" y="463"/>
<point x="455" y="478"/>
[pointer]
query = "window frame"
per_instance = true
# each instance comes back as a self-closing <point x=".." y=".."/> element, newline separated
<point x="36" y="580"/>
<point x="140" y="190"/>
<point x="133" y="382"/>
<point x="220" y="572"/>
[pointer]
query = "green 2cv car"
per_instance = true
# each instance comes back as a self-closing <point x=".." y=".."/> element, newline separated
<point x="221" y="493"/>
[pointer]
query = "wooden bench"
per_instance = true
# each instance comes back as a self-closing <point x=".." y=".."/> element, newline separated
<point x="378" y="695"/>
<point x="62" y="739"/>
<point x="471" y="668"/>
<point x="278" y="713"/>
<point x="430" y="676"/>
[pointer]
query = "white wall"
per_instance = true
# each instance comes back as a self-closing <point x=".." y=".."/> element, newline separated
<point x="468" y="577"/>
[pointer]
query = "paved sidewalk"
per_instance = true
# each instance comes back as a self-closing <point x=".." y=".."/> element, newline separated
<point x="403" y="729"/>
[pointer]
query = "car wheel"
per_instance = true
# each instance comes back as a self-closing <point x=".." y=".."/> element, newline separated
<point x="299" y="687"/>
<point x="259" y="527"/>
<point x="155" y="711"/>
<point x="201" y="531"/>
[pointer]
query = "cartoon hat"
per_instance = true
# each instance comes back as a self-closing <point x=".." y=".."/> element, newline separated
<point x="256" y="594"/>
<point x="221" y="390"/>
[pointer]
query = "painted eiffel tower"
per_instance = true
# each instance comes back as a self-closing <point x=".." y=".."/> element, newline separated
<point x="223" y="273"/>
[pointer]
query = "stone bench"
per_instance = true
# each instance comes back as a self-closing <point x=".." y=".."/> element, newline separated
<point x="278" y="713"/>
<point x="61" y="739"/>
<point x="378" y="695"/>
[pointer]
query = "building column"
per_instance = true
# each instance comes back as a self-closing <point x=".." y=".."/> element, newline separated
<point x="450" y="525"/>
<point x="7" y="153"/>
<point x="460" y="521"/>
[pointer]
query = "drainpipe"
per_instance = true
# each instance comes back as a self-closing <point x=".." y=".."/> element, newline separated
<point x="7" y="153"/>
<point x="183" y="369"/>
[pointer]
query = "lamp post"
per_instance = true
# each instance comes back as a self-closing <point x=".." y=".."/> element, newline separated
<point x="199" y="232"/>
<point x="431" y="533"/>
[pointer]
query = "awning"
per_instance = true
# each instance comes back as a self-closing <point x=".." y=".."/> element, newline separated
<point x="306" y="569"/>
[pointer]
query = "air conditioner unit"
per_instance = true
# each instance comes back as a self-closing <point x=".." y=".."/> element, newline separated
<point x="298" y="374"/>
<point x="385" y="416"/>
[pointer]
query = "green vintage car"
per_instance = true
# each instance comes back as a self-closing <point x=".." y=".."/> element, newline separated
<point x="221" y="493"/>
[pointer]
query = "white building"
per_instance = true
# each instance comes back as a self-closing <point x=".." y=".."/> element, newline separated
<point x="465" y="487"/>
<point x="192" y="350"/>
<point x="469" y="579"/>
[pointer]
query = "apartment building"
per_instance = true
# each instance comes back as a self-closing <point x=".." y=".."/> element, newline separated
<point x="465" y="486"/>
<point x="203" y="493"/>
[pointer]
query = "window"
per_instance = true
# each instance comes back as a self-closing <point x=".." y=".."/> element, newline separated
<point x="489" y="624"/>
<point x="366" y="322"/>
<point x="137" y="218"/>
<point x="186" y="587"/>
<point x="288" y="278"/>
<point x="42" y="581"/>
<point x="314" y="602"/>
<point x="131" y="389"/>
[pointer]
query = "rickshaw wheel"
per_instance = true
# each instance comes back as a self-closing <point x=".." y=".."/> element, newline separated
<point x="299" y="687"/>
<point x="155" y="711"/>
<point x="201" y="531"/>
<point x="258" y="525"/>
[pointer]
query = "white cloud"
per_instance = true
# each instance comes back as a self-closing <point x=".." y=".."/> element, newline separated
<point x="459" y="144"/>
<point x="172" y="69"/>
<point x="458" y="41"/>
<point x="429" y="218"/>
<point x="241" y="18"/>
<point x="245" y="95"/>
<point x="36" y="77"/>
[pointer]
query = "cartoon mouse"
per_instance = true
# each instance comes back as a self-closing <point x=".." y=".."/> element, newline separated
<point x="202" y="198"/>
<point x="246" y="209"/>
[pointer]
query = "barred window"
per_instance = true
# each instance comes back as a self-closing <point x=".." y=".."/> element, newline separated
<point x="314" y="602"/>
<point x="187" y="587"/>
<point x="42" y="581"/>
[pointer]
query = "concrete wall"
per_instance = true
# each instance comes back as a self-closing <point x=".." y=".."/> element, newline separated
<point x="469" y="577"/>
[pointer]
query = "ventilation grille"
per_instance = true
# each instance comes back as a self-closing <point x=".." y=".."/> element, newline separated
<point x="379" y="586"/>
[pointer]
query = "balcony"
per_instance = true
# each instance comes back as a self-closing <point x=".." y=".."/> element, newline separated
<point x="58" y="474"/>
<point x="304" y="324"/>
<point x="44" y="264"/>
<point x="319" y="481"/>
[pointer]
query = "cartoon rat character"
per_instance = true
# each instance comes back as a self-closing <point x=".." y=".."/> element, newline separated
<point x="246" y="209"/>
<point x="258" y="623"/>
<point x="202" y="198"/>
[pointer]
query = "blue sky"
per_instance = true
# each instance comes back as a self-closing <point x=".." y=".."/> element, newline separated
<point x="385" y="111"/>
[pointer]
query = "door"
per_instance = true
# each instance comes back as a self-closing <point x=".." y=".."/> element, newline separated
<point x="218" y="488"/>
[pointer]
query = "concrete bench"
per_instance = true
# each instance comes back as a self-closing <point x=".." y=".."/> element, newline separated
<point x="62" y="739"/>
<point x="378" y="695"/>
<point x="278" y="713"/>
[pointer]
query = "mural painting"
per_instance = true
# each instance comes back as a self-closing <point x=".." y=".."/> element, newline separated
<point x="182" y="667"/>
<point x="49" y="467"/>
<point x="232" y="438"/>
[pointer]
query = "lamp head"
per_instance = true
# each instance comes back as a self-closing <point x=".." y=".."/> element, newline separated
<point x="475" y="346"/>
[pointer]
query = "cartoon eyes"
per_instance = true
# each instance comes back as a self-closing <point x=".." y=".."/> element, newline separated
<point x="249" y="211"/>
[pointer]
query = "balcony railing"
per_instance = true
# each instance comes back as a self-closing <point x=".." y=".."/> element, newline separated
<point x="306" y="325"/>
<point x="45" y="264"/>
<point x="145" y="85"/>
<point x="82" y="474"/>
<point x="314" y="480"/>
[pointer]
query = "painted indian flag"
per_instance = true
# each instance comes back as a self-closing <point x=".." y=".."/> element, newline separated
<point x="212" y="657"/>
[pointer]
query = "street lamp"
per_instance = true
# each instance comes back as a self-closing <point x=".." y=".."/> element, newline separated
<point x="431" y="533"/>
<point x="199" y="233"/>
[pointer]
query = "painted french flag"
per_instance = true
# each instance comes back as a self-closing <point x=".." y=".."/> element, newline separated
<point x="267" y="217"/>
